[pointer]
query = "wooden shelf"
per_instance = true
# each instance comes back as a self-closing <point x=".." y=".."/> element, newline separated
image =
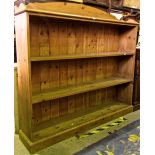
<point x="64" y="57"/>
<point x="72" y="90"/>
<point x="66" y="128"/>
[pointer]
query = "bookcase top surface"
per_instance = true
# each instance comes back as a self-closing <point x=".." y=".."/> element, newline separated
<point x="73" y="11"/>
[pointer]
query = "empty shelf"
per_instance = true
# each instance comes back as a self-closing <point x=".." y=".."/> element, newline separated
<point x="72" y="90"/>
<point x="82" y="56"/>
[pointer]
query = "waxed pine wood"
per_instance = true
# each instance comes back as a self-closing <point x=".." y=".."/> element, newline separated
<point x="74" y="73"/>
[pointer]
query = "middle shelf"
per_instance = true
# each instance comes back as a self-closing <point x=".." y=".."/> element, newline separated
<point x="81" y="88"/>
<point x="81" y="56"/>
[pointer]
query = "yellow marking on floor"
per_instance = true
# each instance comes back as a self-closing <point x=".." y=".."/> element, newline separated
<point x="115" y="123"/>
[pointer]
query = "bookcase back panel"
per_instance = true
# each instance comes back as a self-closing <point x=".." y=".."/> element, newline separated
<point x="49" y="110"/>
<point x="50" y="37"/>
<point x="51" y="75"/>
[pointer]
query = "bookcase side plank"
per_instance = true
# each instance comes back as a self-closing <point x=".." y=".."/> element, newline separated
<point x="24" y="72"/>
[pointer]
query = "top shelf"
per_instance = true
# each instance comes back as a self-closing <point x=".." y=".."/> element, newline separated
<point x="81" y="56"/>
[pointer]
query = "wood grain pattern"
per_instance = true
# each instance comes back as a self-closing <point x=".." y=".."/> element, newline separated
<point x="46" y="111"/>
<point x="54" y="74"/>
<point x="37" y="114"/>
<point x="100" y="112"/>
<point x="63" y="106"/>
<point x="71" y="38"/>
<point x="34" y="35"/>
<point x="35" y="78"/>
<point x="43" y="39"/>
<point x="73" y="11"/>
<point x="24" y="73"/>
<point x="82" y="56"/>
<point x="125" y="93"/>
<point x="72" y="90"/>
<point x="79" y="72"/>
<point x="79" y="44"/>
<point x="63" y="38"/>
<point x="54" y="39"/>
<point x="54" y="108"/>
<point x="73" y="74"/>
<point x="71" y="104"/>
<point x="63" y="72"/>
<point x="45" y="81"/>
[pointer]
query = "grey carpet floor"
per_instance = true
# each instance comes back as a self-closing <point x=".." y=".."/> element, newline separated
<point x="125" y="141"/>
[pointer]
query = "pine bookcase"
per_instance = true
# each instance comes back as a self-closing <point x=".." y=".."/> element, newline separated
<point x="75" y="70"/>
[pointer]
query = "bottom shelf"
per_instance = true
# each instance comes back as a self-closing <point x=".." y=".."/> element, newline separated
<point x="74" y="125"/>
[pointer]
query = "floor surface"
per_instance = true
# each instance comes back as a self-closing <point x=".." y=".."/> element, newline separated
<point x="125" y="141"/>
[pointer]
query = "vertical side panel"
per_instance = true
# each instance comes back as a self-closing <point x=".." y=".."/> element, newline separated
<point x="24" y="72"/>
<point x="124" y="93"/>
<point x="126" y="67"/>
<point x="131" y="39"/>
<point x="128" y="39"/>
